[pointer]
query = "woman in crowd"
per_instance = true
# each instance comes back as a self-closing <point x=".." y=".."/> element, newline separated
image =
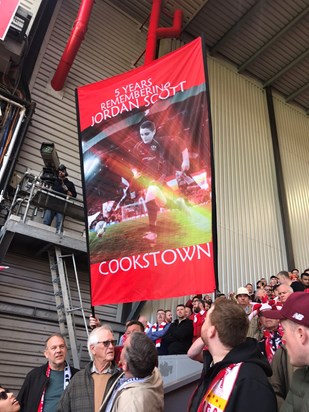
<point x="8" y="402"/>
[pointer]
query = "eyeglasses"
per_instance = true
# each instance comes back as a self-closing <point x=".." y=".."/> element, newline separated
<point x="106" y="343"/>
<point x="4" y="394"/>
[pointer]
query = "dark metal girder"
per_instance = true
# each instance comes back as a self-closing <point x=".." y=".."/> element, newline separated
<point x="287" y="68"/>
<point x="297" y="92"/>
<point x="197" y="12"/>
<point x="235" y="28"/>
<point x="273" y="40"/>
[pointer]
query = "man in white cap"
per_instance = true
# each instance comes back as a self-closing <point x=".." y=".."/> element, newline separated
<point x="243" y="299"/>
<point x="294" y="317"/>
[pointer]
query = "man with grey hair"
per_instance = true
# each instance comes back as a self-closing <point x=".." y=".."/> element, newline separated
<point x="284" y="291"/>
<point x="140" y="387"/>
<point x="89" y="387"/>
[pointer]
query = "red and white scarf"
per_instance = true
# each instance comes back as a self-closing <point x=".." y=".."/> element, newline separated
<point x="66" y="379"/>
<point x="272" y="341"/>
<point x="220" y="389"/>
<point x="155" y="328"/>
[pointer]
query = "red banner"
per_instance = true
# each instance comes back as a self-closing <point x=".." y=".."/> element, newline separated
<point x="8" y="9"/>
<point x="145" y="141"/>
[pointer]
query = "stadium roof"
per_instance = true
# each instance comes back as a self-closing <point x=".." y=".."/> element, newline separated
<point x="266" y="39"/>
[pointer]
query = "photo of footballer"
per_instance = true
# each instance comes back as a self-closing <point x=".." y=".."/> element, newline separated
<point x="148" y="180"/>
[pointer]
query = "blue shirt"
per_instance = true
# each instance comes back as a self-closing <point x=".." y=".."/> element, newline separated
<point x="54" y="391"/>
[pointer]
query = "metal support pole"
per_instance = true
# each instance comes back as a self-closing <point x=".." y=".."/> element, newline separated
<point x="67" y="307"/>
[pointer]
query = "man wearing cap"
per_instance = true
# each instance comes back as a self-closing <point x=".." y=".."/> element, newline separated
<point x="243" y="299"/>
<point x="271" y="334"/>
<point x="294" y="317"/>
<point x="64" y="186"/>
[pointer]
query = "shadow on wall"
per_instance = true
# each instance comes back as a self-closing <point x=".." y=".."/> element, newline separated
<point x="180" y="375"/>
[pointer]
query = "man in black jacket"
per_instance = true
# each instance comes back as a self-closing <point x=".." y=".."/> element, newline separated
<point x="178" y="338"/>
<point x="64" y="186"/>
<point x="45" y="384"/>
<point x="234" y="377"/>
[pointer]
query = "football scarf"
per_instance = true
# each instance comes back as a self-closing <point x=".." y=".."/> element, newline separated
<point x="272" y="341"/>
<point x="156" y="328"/>
<point x="66" y="379"/>
<point x="220" y="389"/>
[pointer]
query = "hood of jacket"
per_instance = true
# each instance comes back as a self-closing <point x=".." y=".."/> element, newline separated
<point x="248" y="352"/>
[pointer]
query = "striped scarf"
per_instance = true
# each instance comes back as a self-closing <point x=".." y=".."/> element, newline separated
<point x="272" y="341"/>
<point x="155" y="328"/>
<point x="66" y="380"/>
<point x="220" y="389"/>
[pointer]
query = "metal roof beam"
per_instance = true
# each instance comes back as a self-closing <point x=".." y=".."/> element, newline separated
<point x="297" y="92"/>
<point x="273" y="39"/>
<point x="236" y="26"/>
<point x="196" y="13"/>
<point x="287" y="68"/>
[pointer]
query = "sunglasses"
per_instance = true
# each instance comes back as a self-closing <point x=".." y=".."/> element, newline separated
<point x="4" y="395"/>
<point x="106" y="343"/>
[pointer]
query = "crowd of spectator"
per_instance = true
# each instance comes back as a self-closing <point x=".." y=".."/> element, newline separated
<point x="271" y="351"/>
<point x="244" y="340"/>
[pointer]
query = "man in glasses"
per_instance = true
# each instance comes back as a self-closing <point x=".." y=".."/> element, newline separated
<point x="89" y="387"/>
<point x="8" y="402"/>
<point x="45" y="384"/>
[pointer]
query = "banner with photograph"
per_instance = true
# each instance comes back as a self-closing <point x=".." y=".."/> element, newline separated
<point x="146" y="157"/>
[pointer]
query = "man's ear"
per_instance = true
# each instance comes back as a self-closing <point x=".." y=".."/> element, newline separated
<point x="92" y="349"/>
<point x="303" y="335"/>
<point x="124" y="366"/>
<point x="212" y="331"/>
<point x="45" y="354"/>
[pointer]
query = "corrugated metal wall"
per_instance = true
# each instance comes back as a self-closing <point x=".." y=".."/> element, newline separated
<point x="293" y="135"/>
<point x="249" y="224"/>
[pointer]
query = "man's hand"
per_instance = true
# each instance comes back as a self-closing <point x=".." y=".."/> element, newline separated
<point x="94" y="322"/>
